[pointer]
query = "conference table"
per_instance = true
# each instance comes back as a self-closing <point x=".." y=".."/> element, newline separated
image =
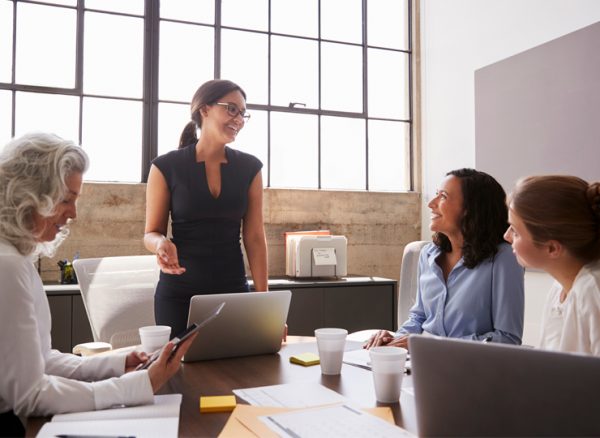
<point x="221" y="376"/>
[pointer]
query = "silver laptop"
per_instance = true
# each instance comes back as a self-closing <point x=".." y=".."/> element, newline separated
<point x="467" y="388"/>
<point x="250" y="323"/>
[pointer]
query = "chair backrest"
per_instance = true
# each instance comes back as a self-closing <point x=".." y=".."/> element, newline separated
<point x="409" y="278"/>
<point x="118" y="295"/>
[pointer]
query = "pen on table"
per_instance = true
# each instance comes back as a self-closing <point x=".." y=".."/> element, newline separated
<point x="67" y="435"/>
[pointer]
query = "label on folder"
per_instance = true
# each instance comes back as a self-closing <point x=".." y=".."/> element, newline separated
<point x="324" y="256"/>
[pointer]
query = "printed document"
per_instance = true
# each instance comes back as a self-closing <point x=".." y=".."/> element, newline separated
<point x="329" y="421"/>
<point x="290" y="395"/>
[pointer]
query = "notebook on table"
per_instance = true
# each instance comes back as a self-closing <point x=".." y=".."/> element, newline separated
<point x="251" y="323"/>
<point x="467" y="388"/>
<point x="158" y="419"/>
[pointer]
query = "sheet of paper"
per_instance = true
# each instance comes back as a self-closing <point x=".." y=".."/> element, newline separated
<point x="141" y="428"/>
<point x="324" y="256"/>
<point x="244" y="420"/>
<point x="164" y="406"/>
<point x="361" y="358"/>
<point x="337" y="420"/>
<point x="290" y="395"/>
<point x="358" y="358"/>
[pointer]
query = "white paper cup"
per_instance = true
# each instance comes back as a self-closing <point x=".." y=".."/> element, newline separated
<point x="154" y="337"/>
<point x="331" y="343"/>
<point x="387" y="364"/>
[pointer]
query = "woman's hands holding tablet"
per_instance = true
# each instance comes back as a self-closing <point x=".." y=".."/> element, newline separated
<point x="134" y="360"/>
<point x="167" y="364"/>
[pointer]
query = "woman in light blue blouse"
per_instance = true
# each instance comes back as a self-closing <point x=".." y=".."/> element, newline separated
<point x="470" y="284"/>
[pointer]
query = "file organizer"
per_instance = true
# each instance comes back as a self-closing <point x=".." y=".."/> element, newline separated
<point x="316" y="256"/>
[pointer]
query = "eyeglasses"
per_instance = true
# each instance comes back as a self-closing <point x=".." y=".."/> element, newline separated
<point x="234" y="111"/>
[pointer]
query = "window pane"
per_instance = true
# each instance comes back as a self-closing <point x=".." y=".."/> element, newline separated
<point x="45" y="45"/>
<point x="247" y="14"/>
<point x="198" y="11"/>
<point x="388" y="155"/>
<point x="6" y="39"/>
<point x="388" y="84"/>
<point x="341" y="86"/>
<point x="115" y="153"/>
<point x="253" y="139"/>
<point x="135" y="7"/>
<point x="245" y="61"/>
<point x="172" y="117"/>
<point x="47" y="112"/>
<point x="347" y="29"/>
<point x="62" y="2"/>
<point x="295" y="17"/>
<point x="294" y="158"/>
<point x="387" y="24"/>
<point x="185" y="59"/>
<point x="294" y="71"/>
<point x="113" y="60"/>
<point x="5" y="116"/>
<point x="343" y="156"/>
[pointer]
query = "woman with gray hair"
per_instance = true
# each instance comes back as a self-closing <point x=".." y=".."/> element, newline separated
<point x="40" y="181"/>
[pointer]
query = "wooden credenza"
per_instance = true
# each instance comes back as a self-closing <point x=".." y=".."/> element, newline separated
<point x="354" y="303"/>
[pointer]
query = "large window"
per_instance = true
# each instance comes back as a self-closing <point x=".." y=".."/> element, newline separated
<point x="328" y="82"/>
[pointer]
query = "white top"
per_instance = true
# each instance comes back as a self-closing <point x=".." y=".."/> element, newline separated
<point x="36" y="380"/>
<point x="574" y="325"/>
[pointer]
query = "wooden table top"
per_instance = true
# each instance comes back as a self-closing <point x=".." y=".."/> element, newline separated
<point x="220" y="377"/>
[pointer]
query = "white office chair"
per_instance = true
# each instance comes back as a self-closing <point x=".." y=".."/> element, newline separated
<point x="409" y="278"/>
<point x="407" y="287"/>
<point x="118" y="295"/>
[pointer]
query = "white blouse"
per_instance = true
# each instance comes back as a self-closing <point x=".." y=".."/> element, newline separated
<point x="574" y="325"/>
<point x="36" y="380"/>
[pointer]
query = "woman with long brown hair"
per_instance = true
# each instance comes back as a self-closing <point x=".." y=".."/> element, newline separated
<point x="470" y="285"/>
<point x="555" y="226"/>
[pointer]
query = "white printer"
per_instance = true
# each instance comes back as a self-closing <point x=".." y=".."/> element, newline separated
<point x="316" y="256"/>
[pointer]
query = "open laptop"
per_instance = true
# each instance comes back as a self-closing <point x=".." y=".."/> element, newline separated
<point x="467" y="388"/>
<point x="250" y="323"/>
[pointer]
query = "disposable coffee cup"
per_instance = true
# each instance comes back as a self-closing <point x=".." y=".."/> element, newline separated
<point x="154" y="337"/>
<point x="387" y="364"/>
<point x="331" y="343"/>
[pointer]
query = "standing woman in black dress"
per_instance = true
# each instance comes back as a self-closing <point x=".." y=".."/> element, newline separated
<point x="211" y="191"/>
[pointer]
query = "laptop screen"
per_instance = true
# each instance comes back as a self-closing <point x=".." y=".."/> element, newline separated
<point x="250" y="323"/>
<point x="468" y="388"/>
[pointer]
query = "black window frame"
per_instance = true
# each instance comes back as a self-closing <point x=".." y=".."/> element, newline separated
<point x="150" y="98"/>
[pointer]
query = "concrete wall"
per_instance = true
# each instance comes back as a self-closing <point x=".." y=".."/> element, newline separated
<point x="377" y="225"/>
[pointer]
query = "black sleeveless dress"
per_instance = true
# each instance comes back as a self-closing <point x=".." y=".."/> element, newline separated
<point x="206" y="231"/>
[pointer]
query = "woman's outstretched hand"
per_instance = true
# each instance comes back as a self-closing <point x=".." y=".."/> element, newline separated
<point x="167" y="259"/>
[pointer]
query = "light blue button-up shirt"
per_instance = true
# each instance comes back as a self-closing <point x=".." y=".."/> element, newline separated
<point x="484" y="302"/>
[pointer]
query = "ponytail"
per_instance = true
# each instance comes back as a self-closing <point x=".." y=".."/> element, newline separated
<point x="593" y="197"/>
<point x="188" y="135"/>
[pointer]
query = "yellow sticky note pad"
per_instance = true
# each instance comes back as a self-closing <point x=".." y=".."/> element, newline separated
<point x="306" y="359"/>
<point x="217" y="403"/>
